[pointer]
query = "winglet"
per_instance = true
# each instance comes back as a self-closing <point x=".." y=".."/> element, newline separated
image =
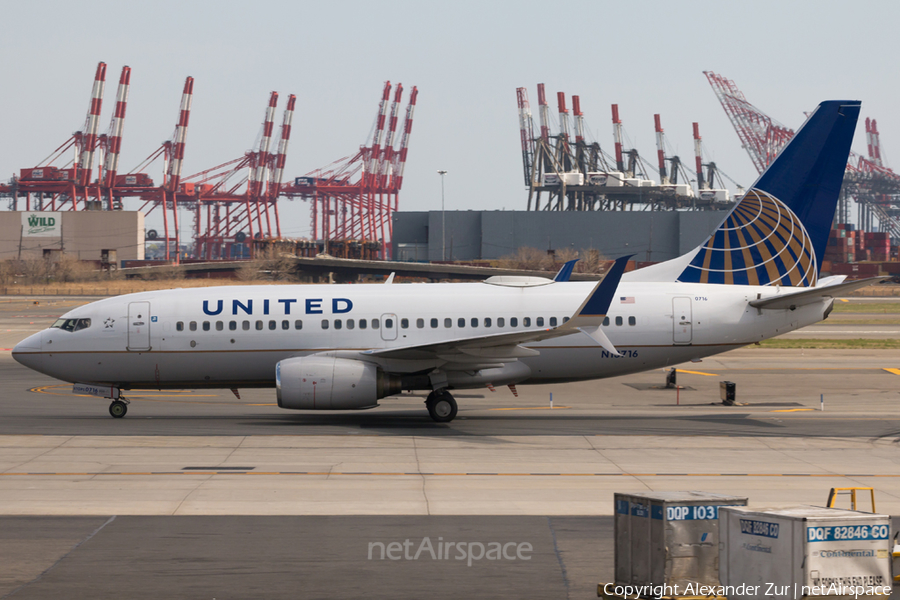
<point x="390" y="278"/>
<point x="589" y="316"/>
<point x="597" y="304"/>
<point x="565" y="272"/>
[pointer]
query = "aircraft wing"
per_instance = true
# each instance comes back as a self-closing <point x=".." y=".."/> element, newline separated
<point x="506" y="346"/>
<point x="816" y="294"/>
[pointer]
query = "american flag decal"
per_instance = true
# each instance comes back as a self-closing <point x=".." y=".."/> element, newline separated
<point x="626" y="299"/>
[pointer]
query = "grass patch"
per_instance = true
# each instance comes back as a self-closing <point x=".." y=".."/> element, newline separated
<point x="887" y="320"/>
<point x="814" y="344"/>
<point x="867" y="307"/>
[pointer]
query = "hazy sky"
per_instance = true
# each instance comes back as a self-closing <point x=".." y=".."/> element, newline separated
<point x="467" y="58"/>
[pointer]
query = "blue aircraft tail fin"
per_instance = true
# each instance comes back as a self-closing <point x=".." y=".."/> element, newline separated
<point x="778" y="231"/>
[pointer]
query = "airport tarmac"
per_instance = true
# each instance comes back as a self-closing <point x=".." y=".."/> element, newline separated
<point x="206" y="495"/>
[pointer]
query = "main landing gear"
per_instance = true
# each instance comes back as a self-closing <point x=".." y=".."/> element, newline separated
<point x="441" y="406"/>
<point x="118" y="408"/>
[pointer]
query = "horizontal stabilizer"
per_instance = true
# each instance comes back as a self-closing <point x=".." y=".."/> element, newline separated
<point x="565" y="273"/>
<point x="813" y="295"/>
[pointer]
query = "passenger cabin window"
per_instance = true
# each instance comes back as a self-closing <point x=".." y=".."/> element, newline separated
<point x="259" y="325"/>
<point x="461" y="322"/>
<point x="404" y="323"/>
<point x="338" y="324"/>
<point x="285" y="324"/>
<point x="205" y="325"/>
<point x="71" y="325"/>
<point x="618" y="320"/>
<point x="245" y="325"/>
<point x="179" y="326"/>
<point x="363" y="323"/>
<point x="351" y="323"/>
<point x="434" y="323"/>
<point x="487" y="321"/>
<point x="375" y="324"/>
<point x="605" y="321"/>
<point x="632" y="320"/>
<point x="474" y="322"/>
<point x="513" y="322"/>
<point x="553" y="321"/>
<point x="193" y="326"/>
<point x="272" y="325"/>
<point x="324" y="323"/>
<point x="232" y="326"/>
<point x="539" y="321"/>
<point x="448" y="323"/>
<point x="526" y="322"/>
<point x="565" y="319"/>
<point x="388" y="323"/>
<point x="420" y="323"/>
<point x="220" y="326"/>
<point x="501" y="322"/>
<point x="298" y="324"/>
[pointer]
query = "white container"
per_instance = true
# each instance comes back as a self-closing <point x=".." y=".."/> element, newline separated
<point x="721" y="196"/>
<point x="632" y="182"/>
<point x="803" y="551"/>
<point x="550" y="179"/>
<point x="611" y="179"/>
<point x="647" y="183"/>
<point x="669" y="538"/>
<point x="573" y="178"/>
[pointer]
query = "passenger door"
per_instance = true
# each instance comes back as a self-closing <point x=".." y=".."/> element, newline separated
<point x="138" y="326"/>
<point x="681" y="320"/>
<point x="389" y="327"/>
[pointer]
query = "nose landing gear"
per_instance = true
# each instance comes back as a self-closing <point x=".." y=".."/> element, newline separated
<point x="118" y="408"/>
<point x="441" y="406"/>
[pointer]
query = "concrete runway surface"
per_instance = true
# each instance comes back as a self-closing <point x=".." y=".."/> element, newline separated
<point x="199" y="494"/>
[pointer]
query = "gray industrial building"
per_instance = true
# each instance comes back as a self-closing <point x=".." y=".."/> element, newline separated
<point x="83" y="234"/>
<point x="484" y="235"/>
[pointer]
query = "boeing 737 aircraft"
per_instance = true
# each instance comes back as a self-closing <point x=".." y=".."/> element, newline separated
<point x="346" y="346"/>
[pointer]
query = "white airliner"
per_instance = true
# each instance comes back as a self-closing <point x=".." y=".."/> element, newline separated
<point x="346" y="346"/>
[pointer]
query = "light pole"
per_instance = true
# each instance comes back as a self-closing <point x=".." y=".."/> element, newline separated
<point x="443" y="223"/>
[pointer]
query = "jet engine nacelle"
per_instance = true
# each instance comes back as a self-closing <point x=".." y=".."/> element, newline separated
<point x="328" y="383"/>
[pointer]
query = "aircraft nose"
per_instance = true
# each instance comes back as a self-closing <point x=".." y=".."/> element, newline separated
<point x="28" y="351"/>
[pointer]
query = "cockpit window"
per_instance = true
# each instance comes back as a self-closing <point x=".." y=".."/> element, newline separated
<point x="71" y="324"/>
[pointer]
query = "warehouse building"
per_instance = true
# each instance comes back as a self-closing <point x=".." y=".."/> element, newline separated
<point x="84" y="234"/>
<point x="485" y="235"/>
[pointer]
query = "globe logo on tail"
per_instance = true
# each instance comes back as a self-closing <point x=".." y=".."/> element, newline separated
<point x="762" y="242"/>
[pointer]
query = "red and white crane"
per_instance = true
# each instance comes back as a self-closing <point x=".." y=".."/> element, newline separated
<point x="526" y="132"/>
<point x="91" y="127"/>
<point x="661" y="150"/>
<point x="116" y="127"/>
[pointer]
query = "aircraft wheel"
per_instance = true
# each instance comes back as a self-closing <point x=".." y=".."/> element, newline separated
<point x="441" y="406"/>
<point x="118" y="409"/>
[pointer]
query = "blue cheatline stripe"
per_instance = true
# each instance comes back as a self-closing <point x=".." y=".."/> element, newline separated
<point x="599" y="302"/>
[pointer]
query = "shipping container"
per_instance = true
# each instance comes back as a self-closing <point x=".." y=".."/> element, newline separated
<point x="610" y="179"/>
<point x="714" y="195"/>
<point x="668" y="538"/>
<point x="40" y="174"/>
<point x="803" y="551"/>
<point x="134" y="180"/>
